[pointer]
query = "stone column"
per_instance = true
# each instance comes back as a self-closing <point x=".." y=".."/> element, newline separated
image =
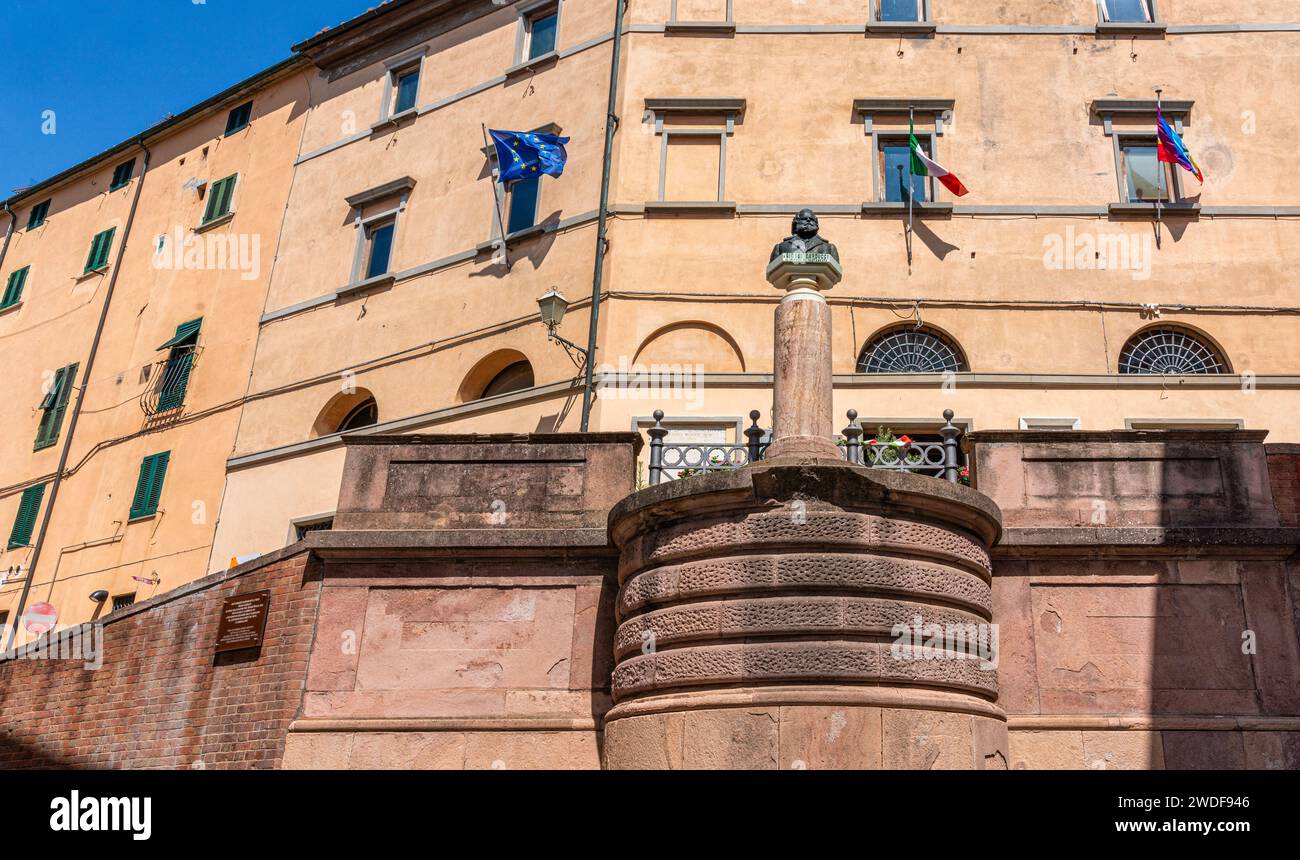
<point x="802" y="407"/>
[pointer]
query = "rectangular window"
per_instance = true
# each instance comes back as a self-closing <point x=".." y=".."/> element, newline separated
<point x="1146" y="177"/>
<point x="301" y="530"/>
<point x="379" y="237"/>
<point x="25" y="522"/>
<point x="899" y="10"/>
<point x="99" y="248"/>
<point x="40" y="212"/>
<point x="180" y="361"/>
<point x="896" y="170"/>
<point x="53" y="406"/>
<point x="220" y="196"/>
<point x="148" y="489"/>
<point x="122" y="175"/>
<point x="524" y="195"/>
<point x="407" y="85"/>
<point x="239" y="118"/>
<point x="13" y="293"/>
<point x="122" y="601"/>
<point x="1126" y="11"/>
<point x="542" y="28"/>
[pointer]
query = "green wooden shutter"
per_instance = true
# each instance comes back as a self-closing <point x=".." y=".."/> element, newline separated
<point x="176" y="378"/>
<point x="25" y="522"/>
<point x="14" y="288"/>
<point x="55" y="405"/>
<point x="220" y="196"/>
<point x="148" y="488"/>
<point x="99" y="248"/>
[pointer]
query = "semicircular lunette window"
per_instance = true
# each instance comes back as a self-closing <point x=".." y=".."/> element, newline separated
<point x="911" y="350"/>
<point x="364" y="414"/>
<point x="516" y="377"/>
<point x="1170" y="350"/>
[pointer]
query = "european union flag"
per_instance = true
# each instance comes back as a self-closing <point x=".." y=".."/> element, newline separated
<point x="526" y="154"/>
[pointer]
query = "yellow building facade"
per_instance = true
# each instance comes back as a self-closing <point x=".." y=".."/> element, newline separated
<point x="1055" y="294"/>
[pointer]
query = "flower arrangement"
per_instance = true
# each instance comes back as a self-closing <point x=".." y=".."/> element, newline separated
<point x="963" y="477"/>
<point x="892" y="450"/>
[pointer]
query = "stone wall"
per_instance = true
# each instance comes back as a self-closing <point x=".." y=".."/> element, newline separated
<point x="1284" y="478"/>
<point x="1146" y="602"/>
<point x="163" y="698"/>
<point x="467" y="618"/>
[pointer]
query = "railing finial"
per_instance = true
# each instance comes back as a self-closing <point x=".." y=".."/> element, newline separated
<point x="950" y="432"/>
<point x="853" y="439"/>
<point x="754" y="437"/>
<point x="657" y="434"/>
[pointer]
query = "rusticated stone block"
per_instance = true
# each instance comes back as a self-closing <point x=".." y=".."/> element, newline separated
<point x="1203" y="750"/>
<point x="830" y="737"/>
<point x="926" y="740"/>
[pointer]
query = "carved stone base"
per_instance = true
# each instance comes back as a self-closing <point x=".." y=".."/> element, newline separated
<point x="759" y="622"/>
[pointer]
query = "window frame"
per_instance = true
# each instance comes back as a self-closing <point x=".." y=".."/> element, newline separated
<point x="394" y="69"/>
<point x="33" y="221"/>
<point x="20" y="535"/>
<point x="504" y="197"/>
<point x="117" y="601"/>
<point x="1173" y="187"/>
<point x="209" y="219"/>
<point x="922" y="11"/>
<point x="661" y="109"/>
<point x="118" y="181"/>
<point x="364" y="224"/>
<point x="54" y="405"/>
<point x="95" y="246"/>
<point x="880" y="182"/>
<point x="148" y="488"/>
<point x="1103" y="14"/>
<point x="15" y="285"/>
<point x="673" y="20"/>
<point x="247" y="118"/>
<point x="529" y="14"/>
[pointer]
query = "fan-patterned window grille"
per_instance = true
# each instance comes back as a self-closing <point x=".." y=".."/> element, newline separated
<point x="1170" y="350"/>
<point x="911" y="350"/>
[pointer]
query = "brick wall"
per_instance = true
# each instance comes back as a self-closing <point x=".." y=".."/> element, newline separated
<point x="1284" y="476"/>
<point x="163" y="698"/>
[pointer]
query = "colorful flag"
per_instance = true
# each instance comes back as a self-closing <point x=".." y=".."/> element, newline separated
<point x="923" y="165"/>
<point x="526" y="154"/>
<point x="1171" y="150"/>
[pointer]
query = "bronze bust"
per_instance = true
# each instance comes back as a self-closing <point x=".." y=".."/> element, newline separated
<point x="805" y="239"/>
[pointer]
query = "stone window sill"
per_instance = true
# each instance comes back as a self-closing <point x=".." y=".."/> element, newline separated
<point x="8" y="309"/>
<point x="385" y="280"/>
<point x="512" y="238"/>
<point x="1131" y="28"/>
<point x="1181" y="209"/>
<point x="925" y="210"/>
<point x="533" y="65"/>
<point x="92" y="273"/>
<point x="142" y="519"/>
<point x="902" y="28"/>
<point x="395" y="120"/>
<point x="215" y="223"/>
<point x="699" y="207"/>
<point x="700" y="28"/>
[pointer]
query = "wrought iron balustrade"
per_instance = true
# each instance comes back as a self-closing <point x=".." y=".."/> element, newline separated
<point x="169" y="380"/>
<point x="674" y="461"/>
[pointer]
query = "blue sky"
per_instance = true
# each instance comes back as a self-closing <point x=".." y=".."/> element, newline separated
<point x="112" y="68"/>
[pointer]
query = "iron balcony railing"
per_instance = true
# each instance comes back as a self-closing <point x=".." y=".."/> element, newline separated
<point x="941" y="459"/>
<point x="168" y="381"/>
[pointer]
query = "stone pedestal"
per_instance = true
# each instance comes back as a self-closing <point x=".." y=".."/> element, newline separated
<point x="760" y="615"/>
<point x="802" y="421"/>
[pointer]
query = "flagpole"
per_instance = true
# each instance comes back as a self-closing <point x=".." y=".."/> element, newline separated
<point x="911" y="132"/>
<point x="496" y="200"/>
<point x="1160" y="168"/>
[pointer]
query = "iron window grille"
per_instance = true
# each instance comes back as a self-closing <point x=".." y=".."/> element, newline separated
<point x="911" y="350"/>
<point x="1170" y="350"/>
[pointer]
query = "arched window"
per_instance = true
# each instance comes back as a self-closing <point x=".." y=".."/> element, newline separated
<point x="516" y="377"/>
<point x="347" y="410"/>
<point x="1170" y="349"/>
<point x="364" y="414"/>
<point x="908" y="349"/>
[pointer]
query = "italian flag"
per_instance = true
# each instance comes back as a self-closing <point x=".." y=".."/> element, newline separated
<point x="923" y="165"/>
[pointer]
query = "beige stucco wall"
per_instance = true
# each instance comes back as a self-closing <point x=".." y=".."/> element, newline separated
<point x="683" y="289"/>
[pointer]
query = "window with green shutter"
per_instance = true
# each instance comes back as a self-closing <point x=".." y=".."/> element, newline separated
<point x="40" y="212"/>
<point x="99" y="248"/>
<point x="14" y="288"/>
<point x="122" y="175"/>
<point x="25" y="522"/>
<point x="220" y="196"/>
<point x="180" y="361"/>
<point x="54" y="406"/>
<point x="148" y="489"/>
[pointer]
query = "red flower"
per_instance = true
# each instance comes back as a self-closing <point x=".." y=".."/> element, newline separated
<point x="872" y="442"/>
<point x="905" y="440"/>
